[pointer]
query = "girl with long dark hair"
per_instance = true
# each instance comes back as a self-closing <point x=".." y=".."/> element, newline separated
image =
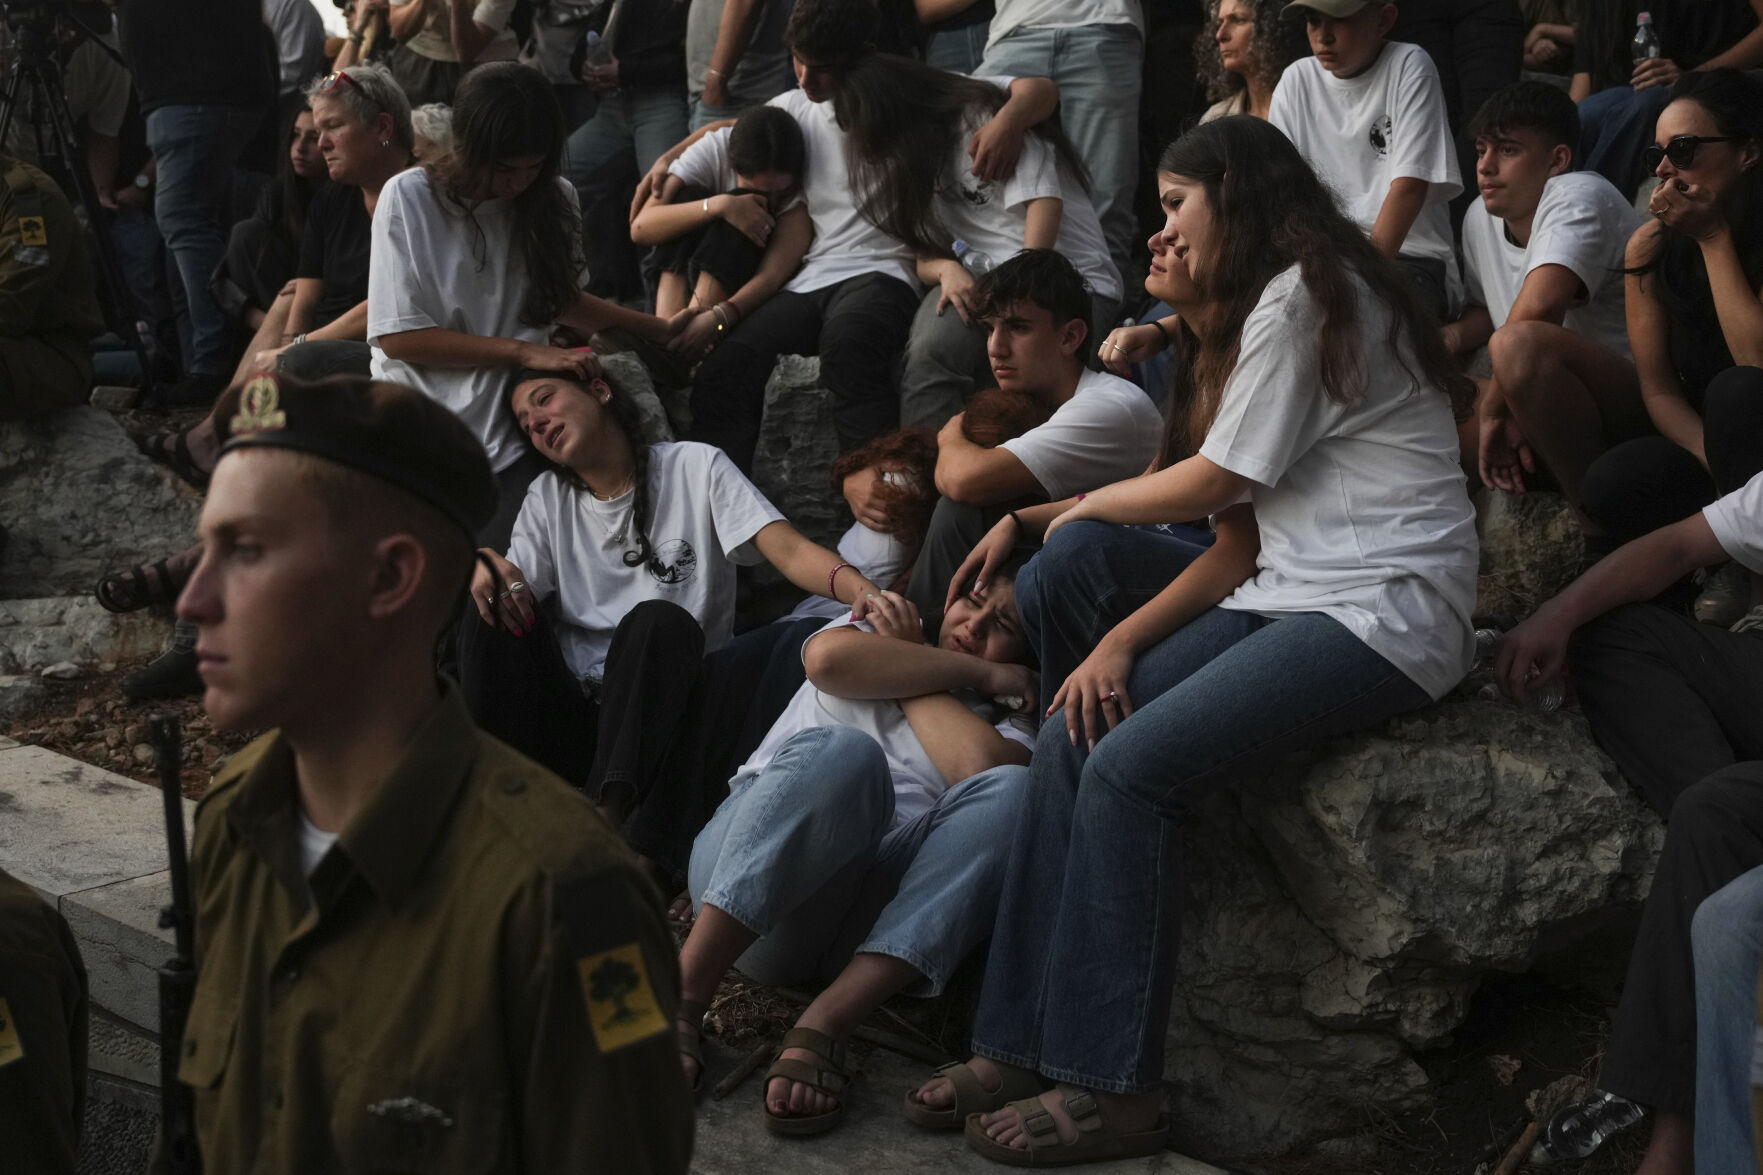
<point x="1319" y="397"/>
<point x="477" y="256"/>
<point x="908" y="131"/>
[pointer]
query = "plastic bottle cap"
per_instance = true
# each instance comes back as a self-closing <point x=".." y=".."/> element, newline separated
<point x="1643" y="18"/>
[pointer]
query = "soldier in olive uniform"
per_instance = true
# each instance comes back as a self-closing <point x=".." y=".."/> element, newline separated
<point x="417" y="950"/>
<point x="42" y="1034"/>
<point x="48" y="304"/>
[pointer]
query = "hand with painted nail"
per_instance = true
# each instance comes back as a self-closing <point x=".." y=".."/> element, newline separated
<point x="502" y="599"/>
<point x="1094" y="696"/>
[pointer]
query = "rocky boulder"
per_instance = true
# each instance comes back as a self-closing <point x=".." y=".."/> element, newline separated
<point x="1531" y="548"/>
<point x="797" y="448"/>
<point x="1343" y="907"/>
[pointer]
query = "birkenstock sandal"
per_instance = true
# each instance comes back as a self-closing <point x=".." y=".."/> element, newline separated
<point x="971" y="1097"/>
<point x="1095" y="1142"/>
<point x="832" y="1080"/>
<point x="691" y="1044"/>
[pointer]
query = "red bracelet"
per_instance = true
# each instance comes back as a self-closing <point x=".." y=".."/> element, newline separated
<point x="832" y="575"/>
<point x="1080" y="497"/>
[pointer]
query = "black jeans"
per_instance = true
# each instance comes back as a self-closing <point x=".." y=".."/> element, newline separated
<point x="666" y="727"/>
<point x="1640" y="485"/>
<point x="1716" y="836"/>
<point x="858" y="328"/>
<point x="719" y="248"/>
<point x="1672" y="701"/>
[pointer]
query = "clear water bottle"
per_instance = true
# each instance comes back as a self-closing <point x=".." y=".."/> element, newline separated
<point x="972" y="260"/>
<point x="1577" y="1131"/>
<point x="1487" y="643"/>
<point x="1544" y="700"/>
<point x="1645" y="45"/>
<point x="599" y="53"/>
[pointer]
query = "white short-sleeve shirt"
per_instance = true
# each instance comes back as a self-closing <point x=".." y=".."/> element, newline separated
<point x="435" y="40"/>
<point x="706" y="163"/>
<point x="992" y="216"/>
<point x="704" y="515"/>
<point x="917" y="782"/>
<point x="1107" y="432"/>
<point x="1361" y="134"/>
<point x="879" y="557"/>
<point x="1737" y="523"/>
<point x="1583" y="223"/>
<point x="1362" y="507"/>
<point x="431" y="268"/>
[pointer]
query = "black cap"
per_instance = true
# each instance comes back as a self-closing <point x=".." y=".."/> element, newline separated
<point x="386" y="430"/>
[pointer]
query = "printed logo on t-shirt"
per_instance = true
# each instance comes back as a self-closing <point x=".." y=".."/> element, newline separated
<point x="977" y="192"/>
<point x="674" y="563"/>
<point x="1380" y="134"/>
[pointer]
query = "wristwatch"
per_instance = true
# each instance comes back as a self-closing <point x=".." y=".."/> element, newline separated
<point x="142" y="182"/>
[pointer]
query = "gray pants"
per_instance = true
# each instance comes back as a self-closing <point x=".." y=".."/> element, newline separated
<point x="321" y="357"/>
<point x="946" y="359"/>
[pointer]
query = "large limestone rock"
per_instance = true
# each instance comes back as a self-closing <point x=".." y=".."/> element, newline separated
<point x="35" y="634"/>
<point x="78" y="501"/>
<point x="1344" y="906"/>
<point x="1531" y="548"/>
<point x="797" y="448"/>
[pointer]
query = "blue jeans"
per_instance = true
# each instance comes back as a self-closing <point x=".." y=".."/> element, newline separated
<point x="958" y="50"/>
<point x="644" y="122"/>
<point x="1727" y="937"/>
<point x="1614" y="125"/>
<point x="197" y="148"/>
<point x="805" y="855"/>
<point x="1097" y="70"/>
<point x="1082" y="963"/>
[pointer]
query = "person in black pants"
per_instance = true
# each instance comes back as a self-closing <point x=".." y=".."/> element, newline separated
<point x="1679" y="707"/>
<point x="1695" y="346"/>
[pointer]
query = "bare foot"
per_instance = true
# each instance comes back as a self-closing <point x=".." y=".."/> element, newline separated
<point x="792" y="1099"/>
<point x="939" y="1092"/>
<point x="679" y="913"/>
<point x="1004" y="1126"/>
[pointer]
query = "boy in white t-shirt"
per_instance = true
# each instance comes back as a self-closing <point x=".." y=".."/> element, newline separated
<point x="1368" y="114"/>
<point x="1543" y="274"/>
<point x="1101" y="428"/>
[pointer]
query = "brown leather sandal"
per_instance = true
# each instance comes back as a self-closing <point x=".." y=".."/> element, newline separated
<point x="830" y="1080"/>
<point x="1095" y="1142"/>
<point x="691" y="1043"/>
<point x="971" y="1097"/>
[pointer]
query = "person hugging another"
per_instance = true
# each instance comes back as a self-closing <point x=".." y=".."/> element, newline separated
<point x="729" y="225"/>
<point x="626" y="679"/>
<point x="1035" y="311"/>
<point x="1368" y="114"/>
<point x="863" y="844"/>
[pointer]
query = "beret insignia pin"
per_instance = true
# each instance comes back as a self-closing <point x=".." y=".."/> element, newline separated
<point x="259" y="408"/>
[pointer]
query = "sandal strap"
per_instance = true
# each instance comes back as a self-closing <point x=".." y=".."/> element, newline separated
<point x="968" y="1090"/>
<point x="831" y="1082"/>
<point x="1080" y="1107"/>
<point x="1037" y="1123"/>
<point x="820" y="1044"/>
<point x="690" y="1040"/>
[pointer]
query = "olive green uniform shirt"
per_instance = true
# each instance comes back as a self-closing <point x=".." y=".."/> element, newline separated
<point x="48" y="297"/>
<point x="479" y="981"/>
<point x="42" y="1035"/>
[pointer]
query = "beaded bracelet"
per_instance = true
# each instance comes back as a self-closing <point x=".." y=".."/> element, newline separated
<point x="832" y="575"/>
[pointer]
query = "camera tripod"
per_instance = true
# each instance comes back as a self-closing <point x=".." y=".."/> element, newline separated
<point x="36" y="71"/>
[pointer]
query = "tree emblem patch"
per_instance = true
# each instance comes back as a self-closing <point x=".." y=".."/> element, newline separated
<point x="622" y="1008"/>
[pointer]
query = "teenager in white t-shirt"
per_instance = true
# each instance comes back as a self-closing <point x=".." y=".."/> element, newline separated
<point x="862" y="846"/>
<point x="1342" y="599"/>
<point x="631" y="550"/>
<point x="1369" y="115"/>
<point x="852" y="301"/>
<point x="907" y="129"/>
<point x="1099" y="428"/>
<point x="476" y="258"/>
<point x="1543" y="273"/>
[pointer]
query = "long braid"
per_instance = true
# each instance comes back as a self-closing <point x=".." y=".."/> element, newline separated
<point x="624" y="415"/>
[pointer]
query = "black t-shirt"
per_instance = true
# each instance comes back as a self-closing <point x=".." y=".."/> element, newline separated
<point x="334" y="249"/>
<point x="198" y="52"/>
<point x="1690" y="32"/>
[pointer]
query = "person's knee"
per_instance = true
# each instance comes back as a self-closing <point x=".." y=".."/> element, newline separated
<point x="1519" y="351"/>
<point x="1711" y="808"/>
<point x="1734" y="400"/>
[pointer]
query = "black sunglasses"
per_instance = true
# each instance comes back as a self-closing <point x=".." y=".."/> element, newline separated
<point x="1681" y="150"/>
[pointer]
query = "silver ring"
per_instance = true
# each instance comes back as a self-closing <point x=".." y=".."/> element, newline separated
<point x="503" y="596"/>
<point x="518" y="585"/>
<point x="1111" y="696"/>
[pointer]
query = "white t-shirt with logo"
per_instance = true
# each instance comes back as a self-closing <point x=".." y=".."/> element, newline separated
<point x="703" y="517"/>
<point x="1361" y="134"/>
<point x="1362" y="507"/>
<point x="1107" y="432"/>
<point x="1581" y="222"/>
<point x="992" y="216"/>
<point x="1737" y="523"/>
<point x="917" y="782"/>
<point x="1010" y="15"/>
<point x="432" y="268"/>
<point x="845" y="244"/>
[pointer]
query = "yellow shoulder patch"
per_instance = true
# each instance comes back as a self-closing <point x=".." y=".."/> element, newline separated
<point x="622" y="1008"/>
<point x="11" y="1047"/>
<point x="32" y="231"/>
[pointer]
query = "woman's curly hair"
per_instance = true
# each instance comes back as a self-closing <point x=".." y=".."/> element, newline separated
<point x="1278" y="42"/>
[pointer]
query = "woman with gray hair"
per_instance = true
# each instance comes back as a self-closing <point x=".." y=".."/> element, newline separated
<point x="434" y="131"/>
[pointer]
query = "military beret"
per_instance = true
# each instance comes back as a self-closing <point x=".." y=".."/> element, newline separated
<point x="385" y="430"/>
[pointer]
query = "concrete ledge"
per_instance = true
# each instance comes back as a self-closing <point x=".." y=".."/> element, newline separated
<point x="93" y="845"/>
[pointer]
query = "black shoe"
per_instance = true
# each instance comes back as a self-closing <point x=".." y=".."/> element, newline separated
<point x="170" y="675"/>
<point x="195" y="390"/>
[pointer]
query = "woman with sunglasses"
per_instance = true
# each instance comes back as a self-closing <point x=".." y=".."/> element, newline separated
<point x="1695" y="321"/>
<point x="478" y="257"/>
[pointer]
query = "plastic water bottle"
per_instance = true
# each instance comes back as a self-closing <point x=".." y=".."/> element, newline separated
<point x="1645" y="45"/>
<point x="599" y="54"/>
<point x="1545" y="700"/>
<point x="976" y="263"/>
<point x="1577" y="1131"/>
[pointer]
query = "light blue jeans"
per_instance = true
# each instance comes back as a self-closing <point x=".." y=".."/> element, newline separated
<point x="805" y="855"/>
<point x="1082" y="963"/>
<point x="1727" y="939"/>
<point x="196" y="149"/>
<point x="1097" y="70"/>
<point x="645" y="122"/>
<point x="958" y="50"/>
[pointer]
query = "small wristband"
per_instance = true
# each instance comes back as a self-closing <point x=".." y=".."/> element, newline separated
<point x="832" y="575"/>
<point x="1162" y="330"/>
<point x="707" y="206"/>
<point x="714" y="72"/>
<point x="1020" y="529"/>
